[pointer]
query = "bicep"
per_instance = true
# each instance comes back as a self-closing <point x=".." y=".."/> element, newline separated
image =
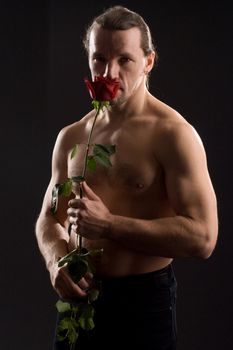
<point x="58" y="176"/>
<point x="188" y="183"/>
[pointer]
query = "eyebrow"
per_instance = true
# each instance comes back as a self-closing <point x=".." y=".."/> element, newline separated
<point x="121" y="54"/>
<point x="128" y="54"/>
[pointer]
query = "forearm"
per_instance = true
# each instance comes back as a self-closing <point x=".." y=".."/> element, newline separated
<point x="52" y="239"/>
<point x="168" y="237"/>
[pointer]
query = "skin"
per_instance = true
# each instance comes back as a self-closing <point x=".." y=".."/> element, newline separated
<point x="155" y="203"/>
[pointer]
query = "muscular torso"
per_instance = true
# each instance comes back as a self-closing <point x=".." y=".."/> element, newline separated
<point x="134" y="187"/>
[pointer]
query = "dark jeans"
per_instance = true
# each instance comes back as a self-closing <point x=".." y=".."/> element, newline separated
<point x="137" y="310"/>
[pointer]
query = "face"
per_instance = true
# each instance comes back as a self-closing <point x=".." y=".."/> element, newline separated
<point x="118" y="55"/>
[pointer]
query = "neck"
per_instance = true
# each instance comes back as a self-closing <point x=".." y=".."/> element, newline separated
<point x="132" y="107"/>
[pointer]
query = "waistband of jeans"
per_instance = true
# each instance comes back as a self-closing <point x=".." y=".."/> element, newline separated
<point x="138" y="278"/>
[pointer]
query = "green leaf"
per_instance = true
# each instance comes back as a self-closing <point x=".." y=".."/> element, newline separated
<point x="96" y="252"/>
<point x="93" y="294"/>
<point x="96" y="104"/>
<point x="78" y="179"/>
<point x="61" y="335"/>
<point x="63" y="306"/>
<point x="70" y="257"/>
<point x="73" y="335"/>
<point x="85" y="320"/>
<point x="65" y="188"/>
<point x="91" y="163"/>
<point x="104" y="104"/>
<point x="74" y="255"/>
<point x="102" y="153"/>
<point x="105" y="149"/>
<point x="103" y="160"/>
<point x="86" y="323"/>
<point x="74" y="151"/>
<point x="54" y="201"/>
<point x="68" y="328"/>
<point x="81" y="314"/>
<point x="77" y="269"/>
<point x="64" y="325"/>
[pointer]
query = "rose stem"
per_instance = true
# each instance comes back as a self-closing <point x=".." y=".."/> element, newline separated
<point x="85" y="166"/>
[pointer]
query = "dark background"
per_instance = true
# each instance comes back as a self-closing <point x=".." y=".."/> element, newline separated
<point x="42" y="69"/>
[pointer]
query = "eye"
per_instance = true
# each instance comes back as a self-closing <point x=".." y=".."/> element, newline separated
<point x="99" y="59"/>
<point x="124" y="60"/>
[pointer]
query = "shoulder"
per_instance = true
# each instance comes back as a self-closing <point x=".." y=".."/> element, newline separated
<point x="170" y="124"/>
<point x="73" y="133"/>
<point x="175" y="138"/>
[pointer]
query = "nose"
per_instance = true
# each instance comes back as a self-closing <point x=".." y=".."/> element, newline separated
<point x="111" y="70"/>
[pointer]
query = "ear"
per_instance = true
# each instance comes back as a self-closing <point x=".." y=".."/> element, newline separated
<point x="150" y="58"/>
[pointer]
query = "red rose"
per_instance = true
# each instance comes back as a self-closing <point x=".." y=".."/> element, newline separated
<point x="102" y="89"/>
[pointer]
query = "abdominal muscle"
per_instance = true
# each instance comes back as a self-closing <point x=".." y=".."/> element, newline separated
<point x="118" y="260"/>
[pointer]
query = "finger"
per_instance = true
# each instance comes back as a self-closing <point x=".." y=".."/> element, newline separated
<point x="88" y="191"/>
<point x="73" y="288"/>
<point x="63" y="291"/>
<point x="61" y="288"/>
<point x="75" y="228"/>
<point x="83" y="284"/>
<point x="89" y="278"/>
<point x="75" y="203"/>
<point x="73" y="220"/>
<point x="72" y="212"/>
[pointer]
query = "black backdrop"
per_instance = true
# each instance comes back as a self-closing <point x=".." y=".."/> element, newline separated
<point x="42" y="70"/>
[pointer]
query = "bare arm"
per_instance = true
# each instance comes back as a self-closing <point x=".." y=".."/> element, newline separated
<point x="192" y="231"/>
<point x="51" y="232"/>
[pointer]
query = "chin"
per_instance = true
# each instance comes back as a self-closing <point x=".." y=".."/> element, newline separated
<point x="120" y="99"/>
<point x="117" y="101"/>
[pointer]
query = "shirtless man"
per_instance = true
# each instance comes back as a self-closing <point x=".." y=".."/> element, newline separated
<point x="154" y="204"/>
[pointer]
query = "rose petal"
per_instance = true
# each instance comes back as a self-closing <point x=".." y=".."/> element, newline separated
<point x="102" y="89"/>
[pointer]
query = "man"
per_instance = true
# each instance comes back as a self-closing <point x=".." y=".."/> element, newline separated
<point x="154" y="204"/>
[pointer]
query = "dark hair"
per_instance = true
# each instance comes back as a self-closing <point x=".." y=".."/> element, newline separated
<point x="121" y="18"/>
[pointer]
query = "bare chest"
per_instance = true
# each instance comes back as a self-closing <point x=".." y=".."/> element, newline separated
<point x="134" y="166"/>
